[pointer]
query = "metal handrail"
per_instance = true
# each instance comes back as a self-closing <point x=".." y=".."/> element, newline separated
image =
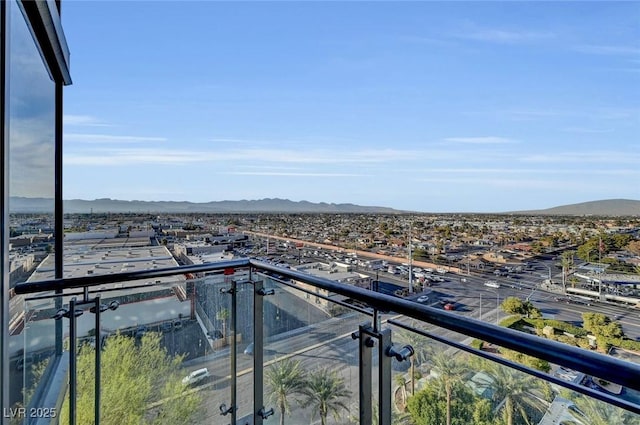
<point x="612" y="369"/>
<point x="606" y="397"/>
<point x="97" y="280"/>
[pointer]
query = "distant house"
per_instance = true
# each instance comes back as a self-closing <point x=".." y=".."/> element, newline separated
<point x="482" y="242"/>
<point x="525" y="247"/>
<point x="477" y="264"/>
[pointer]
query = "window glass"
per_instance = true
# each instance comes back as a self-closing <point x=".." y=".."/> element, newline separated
<point x="31" y="113"/>
<point x="30" y="107"/>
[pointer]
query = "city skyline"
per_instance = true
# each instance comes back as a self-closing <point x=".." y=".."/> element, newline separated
<point x="441" y="107"/>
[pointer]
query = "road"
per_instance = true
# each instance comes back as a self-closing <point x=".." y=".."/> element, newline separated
<point x="329" y="344"/>
<point x="324" y="345"/>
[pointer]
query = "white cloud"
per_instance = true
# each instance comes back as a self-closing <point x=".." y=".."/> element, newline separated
<point x="593" y="114"/>
<point x="602" y="157"/>
<point x="536" y="171"/>
<point x="586" y="130"/>
<point x="503" y="36"/>
<point x="608" y="50"/>
<point x="108" y="138"/>
<point x="128" y="156"/>
<point x="283" y="142"/>
<point x="125" y="157"/>
<point x="488" y="140"/>
<point x="292" y="174"/>
<point x="83" y="120"/>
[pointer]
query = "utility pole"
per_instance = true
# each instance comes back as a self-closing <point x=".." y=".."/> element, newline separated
<point x="497" y="305"/>
<point x="410" y="260"/>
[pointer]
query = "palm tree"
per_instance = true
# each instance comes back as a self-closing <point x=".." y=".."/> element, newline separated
<point x="285" y="378"/>
<point x="422" y="348"/>
<point x="401" y="381"/>
<point x="567" y="263"/>
<point x="598" y="412"/>
<point x="324" y="392"/>
<point x="518" y="393"/>
<point x="450" y="372"/>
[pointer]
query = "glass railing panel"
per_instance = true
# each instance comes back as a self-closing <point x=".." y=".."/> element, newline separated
<point x="32" y="349"/>
<point x="164" y="346"/>
<point x="214" y="310"/>
<point x="580" y="408"/>
<point x="474" y="389"/>
<point x="310" y="356"/>
<point x="407" y="377"/>
<point x="146" y="336"/>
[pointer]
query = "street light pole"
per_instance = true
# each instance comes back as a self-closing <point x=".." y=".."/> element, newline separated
<point x="410" y="260"/>
<point x="497" y="305"/>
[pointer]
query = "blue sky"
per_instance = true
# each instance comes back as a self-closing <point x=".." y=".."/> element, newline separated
<point x="425" y="106"/>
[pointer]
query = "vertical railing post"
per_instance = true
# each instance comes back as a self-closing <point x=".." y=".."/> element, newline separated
<point x="384" y="378"/>
<point x="365" y="367"/>
<point x="72" y="362"/>
<point x="98" y="309"/>
<point x="258" y="350"/>
<point x="234" y="351"/>
<point x="259" y="413"/>
<point x="58" y="326"/>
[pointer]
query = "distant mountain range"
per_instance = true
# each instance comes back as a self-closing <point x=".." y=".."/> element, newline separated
<point x="609" y="207"/>
<point x="275" y="205"/>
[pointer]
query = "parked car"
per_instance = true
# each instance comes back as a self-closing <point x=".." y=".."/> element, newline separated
<point x="141" y="331"/>
<point x="196" y="376"/>
<point x="422" y="299"/>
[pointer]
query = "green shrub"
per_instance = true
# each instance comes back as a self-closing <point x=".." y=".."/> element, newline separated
<point x="477" y="344"/>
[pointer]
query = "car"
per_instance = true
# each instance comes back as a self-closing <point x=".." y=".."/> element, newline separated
<point x="249" y="350"/>
<point x="422" y="299"/>
<point x="449" y="306"/>
<point x="492" y="284"/>
<point x="463" y="280"/>
<point x="141" y="331"/>
<point x="196" y="376"/>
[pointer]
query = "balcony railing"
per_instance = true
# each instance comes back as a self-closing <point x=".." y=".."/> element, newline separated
<point x="229" y="335"/>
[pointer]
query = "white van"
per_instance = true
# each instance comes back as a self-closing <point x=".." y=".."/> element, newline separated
<point x="196" y="376"/>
